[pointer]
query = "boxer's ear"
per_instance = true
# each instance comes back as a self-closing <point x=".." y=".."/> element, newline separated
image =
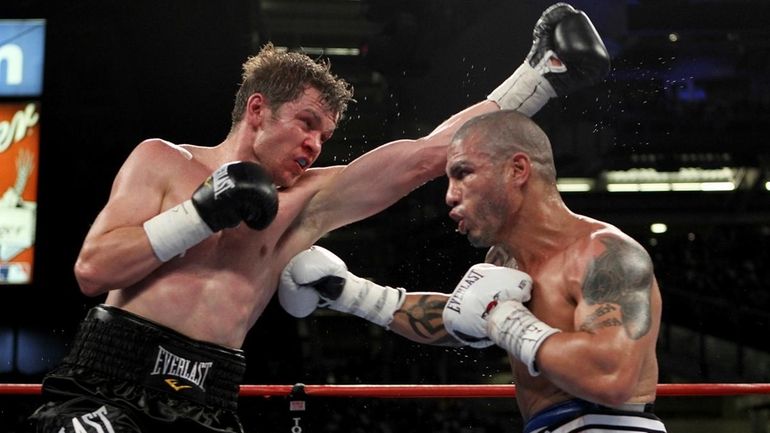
<point x="519" y="168"/>
<point x="256" y="108"/>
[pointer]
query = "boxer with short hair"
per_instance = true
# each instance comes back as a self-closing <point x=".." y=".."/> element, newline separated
<point x="190" y="245"/>
<point x="573" y="300"/>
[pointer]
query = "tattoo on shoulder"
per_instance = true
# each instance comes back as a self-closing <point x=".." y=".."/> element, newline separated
<point x="424" y="318"/>
<point x="620" y="276"/>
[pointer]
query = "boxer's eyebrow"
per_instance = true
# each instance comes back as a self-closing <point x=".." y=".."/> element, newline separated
<point x="458" y="169"/>
<point x="317" y="123"/>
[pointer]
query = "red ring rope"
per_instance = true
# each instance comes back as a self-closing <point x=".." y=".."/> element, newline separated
<point x="441" y="391"/>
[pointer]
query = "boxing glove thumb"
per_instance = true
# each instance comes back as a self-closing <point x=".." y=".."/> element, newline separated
<point x="305" y="276"/>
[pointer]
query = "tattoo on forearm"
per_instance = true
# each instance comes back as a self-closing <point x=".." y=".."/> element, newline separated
<point x="621" y="275"/>
<point x="424" y="318"/>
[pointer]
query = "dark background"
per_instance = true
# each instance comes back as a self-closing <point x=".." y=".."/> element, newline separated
<point x="119" y="72"/>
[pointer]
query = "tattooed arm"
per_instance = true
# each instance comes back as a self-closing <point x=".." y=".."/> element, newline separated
<point x="419" y="319"/>
<point x="606" y="358"/>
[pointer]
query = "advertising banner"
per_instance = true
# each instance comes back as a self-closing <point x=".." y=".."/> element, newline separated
<point x="19" y="155"/>
<point x="22" y="50"/>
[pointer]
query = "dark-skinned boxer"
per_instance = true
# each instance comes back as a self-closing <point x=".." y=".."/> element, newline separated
<point x="573" y="300"/>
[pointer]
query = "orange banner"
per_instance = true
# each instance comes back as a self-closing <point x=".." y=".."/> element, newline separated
<point x="19" y="156"/>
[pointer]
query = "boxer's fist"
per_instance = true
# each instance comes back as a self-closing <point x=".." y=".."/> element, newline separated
<point x="237" y="191"/>
<point x="308" y="275"/>
<point x="316" y="277"/>
<point x="568" y="35"/>
<point x="477" y="294"/>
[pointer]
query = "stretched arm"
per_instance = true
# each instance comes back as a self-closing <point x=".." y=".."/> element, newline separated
<point x="384" y="175"/>
<point x="555" y="66"/>
<point x="317" y="277"/>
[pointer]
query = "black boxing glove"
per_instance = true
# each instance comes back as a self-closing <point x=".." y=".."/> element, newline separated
<point x="568" y="34"/>
<point x="567" y="54"/>
<point x="236" y="191"/>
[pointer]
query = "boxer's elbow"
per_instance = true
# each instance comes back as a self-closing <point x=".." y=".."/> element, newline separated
<point x="614" y="393"/>
<point x="613" y="388"/>
<point x="89" y="280"/>
<point x="604" y="377"/>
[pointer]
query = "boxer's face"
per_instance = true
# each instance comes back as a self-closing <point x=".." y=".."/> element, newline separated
<point x="289" y="140"/>
<point x="476" y="194"/>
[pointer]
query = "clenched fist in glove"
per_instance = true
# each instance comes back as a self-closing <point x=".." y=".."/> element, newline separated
<point x="236" y="192"/>
<point x="567" y="54"/>
<point x="478" y="293"/>
<point x="567" y="34"/>
<point x="318" y="278"/>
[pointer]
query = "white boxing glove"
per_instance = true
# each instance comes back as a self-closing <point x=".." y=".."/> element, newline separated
<point x="296" y="293"/>
<point x="514" y="328"/>
<point x="318" y="278"/>
<point x="477" y="294"/>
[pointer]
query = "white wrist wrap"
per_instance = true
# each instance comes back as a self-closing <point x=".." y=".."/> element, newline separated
<point x="526" y="91"/>
<point x="174" y="231"/>
<point x="369" y="300"/>
<point x="514" y="328"/>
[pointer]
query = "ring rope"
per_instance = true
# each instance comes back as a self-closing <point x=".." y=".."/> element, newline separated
<point x="438" y="391"/>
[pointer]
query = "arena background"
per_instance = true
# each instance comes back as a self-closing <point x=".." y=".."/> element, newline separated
<point x="689" y="88"/>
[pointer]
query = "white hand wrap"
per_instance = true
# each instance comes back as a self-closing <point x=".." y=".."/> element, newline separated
<point x="526" y="91"/>
<point x="368" y="300"/>
<point x="359" y="296"/>
<point x="175" y="230"/>
<point x="479" y="291"/>
<point x="514" y="328"/>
